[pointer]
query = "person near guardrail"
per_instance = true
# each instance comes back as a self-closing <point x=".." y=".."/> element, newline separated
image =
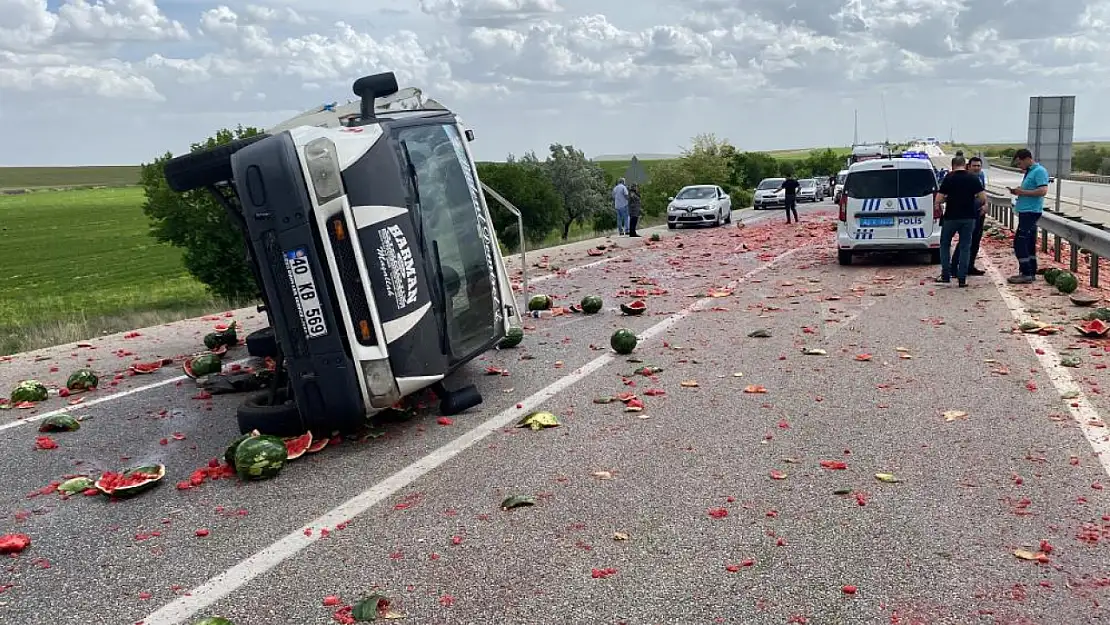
<point x="620" y="203"/>
<point x="1029" y="206"/>
<point x="975" y="166"/>
<point x="958" y="193"/>
<point x="634" y="205"/>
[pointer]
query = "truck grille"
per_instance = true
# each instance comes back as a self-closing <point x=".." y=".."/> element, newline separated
<point x="353" y="288"/>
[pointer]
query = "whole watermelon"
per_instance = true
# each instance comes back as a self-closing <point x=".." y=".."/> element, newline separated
<point x="260" y="457"/>
<point x="1051" y="274"/>
<point x="623" y="341"/>
<point x="1066" y="282"/>
<point x="512" y="338"/>
<point x="214" y="620"/>
<point x="540" y="302"/>
<point x="591" y="304"/>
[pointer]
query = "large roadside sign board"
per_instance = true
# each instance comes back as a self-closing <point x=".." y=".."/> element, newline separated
<point x="1051" y="130"/>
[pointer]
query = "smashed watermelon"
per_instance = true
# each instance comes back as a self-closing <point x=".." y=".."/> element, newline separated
<point x="213" y="620"/>
<point x="143" y="368"/>
<point x="82" y="380"/>
<point x="222" y="338"/>
<point x="297" y="446"/>
<point x="202" y="365"/>
<point x="634" y="308"/>
<point x="260" y="457"/>
<point x="130" y="481"/>
<point x="1094" y="328"/>
<point x="29" y="390"/>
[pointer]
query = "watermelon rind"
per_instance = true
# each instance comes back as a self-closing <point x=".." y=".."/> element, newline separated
<point x="60" y="423"/>
<point x="592" y="304"/>
<point x="29" y="390"/>
<point x="634" y="308"/>
<point x="296" y="446"/>
<point x="82" y="380"/>
<point x="213" y="620"/>
<point x="317" y="445"/>
<point x="1051" y="274"/>
<point x="156" y="471"/>
<point x="202" y="365"/>
<point x="260" y="457"/>
<point x="229" y="453"/>
<point x="623" y="341"/>
<point x="1095" y="327"/>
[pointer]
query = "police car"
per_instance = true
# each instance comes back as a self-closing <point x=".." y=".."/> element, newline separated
<point x="887" y="206"/>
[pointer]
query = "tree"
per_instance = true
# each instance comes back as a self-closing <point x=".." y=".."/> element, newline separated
<point x="578" y="181"/>
<point x="821" y="163"/>
<point x="707" y="160"/>
<point x="214" y="248"/>
<point x="667" y="177"/>
<point x="751" y="167"/>
<point x="527" y="186"/>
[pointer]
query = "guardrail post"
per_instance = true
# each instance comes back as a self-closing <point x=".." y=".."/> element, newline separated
<point x="1044" y="241"/>
<point x="1080" y="200"/>
<point x="1056" y="252"/>
<point x="1094" y="270"/>
<point x="1074" y="256"/>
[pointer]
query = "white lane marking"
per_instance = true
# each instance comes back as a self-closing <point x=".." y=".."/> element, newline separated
<point x="100" y="400"/>
<point x="1081" y="409"/>
<point x="223" y="584"/>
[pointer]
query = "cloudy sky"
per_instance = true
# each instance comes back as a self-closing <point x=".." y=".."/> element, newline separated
<point x="122" y="81"/>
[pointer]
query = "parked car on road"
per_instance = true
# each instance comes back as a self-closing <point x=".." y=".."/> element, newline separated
<point x="809" y="190"/>
<point x="841" y="176"/>
<point x="699" y="204"/>
<point x="768" y="194"/>
<point x="370" y="239"/>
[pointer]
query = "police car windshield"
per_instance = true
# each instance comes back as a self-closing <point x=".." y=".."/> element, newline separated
<point x="696" y="193"/>
<point x="890" y="183"/>
<point x="771" y="183"/>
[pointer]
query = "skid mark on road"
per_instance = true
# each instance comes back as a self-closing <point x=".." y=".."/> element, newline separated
<point x="1081" y="408"/>
<point x="105" y="399"/>
<point x="293" y="543"/>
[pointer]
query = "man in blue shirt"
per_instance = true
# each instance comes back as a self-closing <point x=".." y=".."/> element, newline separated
<point x="620" y="202"/>
<point x="975" y="166"/>
<point x="1029" y="205"/>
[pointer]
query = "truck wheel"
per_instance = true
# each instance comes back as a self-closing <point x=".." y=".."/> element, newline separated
<point x="280" y="419"/>
<point x="262" y="343"/>
<point x="197" y="170"/>
<point x="844" y="256"/>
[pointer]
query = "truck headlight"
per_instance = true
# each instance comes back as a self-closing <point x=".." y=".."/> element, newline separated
<point x="380" y="383"/>
<point x="323" y="169"/>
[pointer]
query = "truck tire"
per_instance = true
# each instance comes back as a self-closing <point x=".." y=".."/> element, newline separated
<point x="280" y="419"/>
<point x="262" y="343"/>
<point x="197" y="170"/>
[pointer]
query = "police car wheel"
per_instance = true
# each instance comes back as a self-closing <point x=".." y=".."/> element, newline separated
<point x="934" y="257"/>
<point x="844" y="257"/>
<point x="197" y="170"/>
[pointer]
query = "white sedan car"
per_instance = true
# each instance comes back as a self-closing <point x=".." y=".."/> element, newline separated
<point x="699" y="204"/>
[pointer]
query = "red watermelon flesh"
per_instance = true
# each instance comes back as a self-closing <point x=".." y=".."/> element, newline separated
<point x="1095" y="327"/>
<point x="146" y="367"/>
<point x="317" y="445"/>
<point x="296" y="446"/>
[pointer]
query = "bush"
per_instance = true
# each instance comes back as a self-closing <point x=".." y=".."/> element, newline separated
<point x="741" y="198"/>
<point x="214" y="250"/>
<point x="529" y="188"/>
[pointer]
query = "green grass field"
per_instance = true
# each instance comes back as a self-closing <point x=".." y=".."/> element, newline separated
<point x="53" y="177"/>
<point x="79" y="263"/>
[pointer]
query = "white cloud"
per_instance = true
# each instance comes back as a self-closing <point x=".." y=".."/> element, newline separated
<point x="630" y="76"/>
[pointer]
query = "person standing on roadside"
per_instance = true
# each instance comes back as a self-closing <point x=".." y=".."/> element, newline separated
<point x="1029" y="206"/>
<point x="790" y="200"/>
<point x="958" y="192"/>
<point x="975" y="166"/>
<point x="633" y="209"/>
<point x="620" y="203"/>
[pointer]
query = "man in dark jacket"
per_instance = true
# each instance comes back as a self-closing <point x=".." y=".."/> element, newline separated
<point x="633" y="209"/>
<point x="790" y="185"/>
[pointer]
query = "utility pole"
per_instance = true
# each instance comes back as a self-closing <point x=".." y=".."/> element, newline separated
<point x="855" y="131"/>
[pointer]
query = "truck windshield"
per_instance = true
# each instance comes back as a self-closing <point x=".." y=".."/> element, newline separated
<point x="450" y="213"/>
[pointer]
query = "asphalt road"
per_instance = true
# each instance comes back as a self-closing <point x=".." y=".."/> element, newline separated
<point x="675" y="514"/>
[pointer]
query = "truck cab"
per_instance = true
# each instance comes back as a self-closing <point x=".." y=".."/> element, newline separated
<point x="373" y="247"/>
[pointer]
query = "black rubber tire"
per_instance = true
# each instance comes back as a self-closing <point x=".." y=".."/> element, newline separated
<point x="670" y="226"/>
<point x="844" y="257"/>
<point x="197" y="170"/>
<point x="282" y="419"/>
<point x="934" y="257"/>
<point x="262" y="343"/>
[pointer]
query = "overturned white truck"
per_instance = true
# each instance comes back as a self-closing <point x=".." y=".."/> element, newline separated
<point x="374" y="251"/>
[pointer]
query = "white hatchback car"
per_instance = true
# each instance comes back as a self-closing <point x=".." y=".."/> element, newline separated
<point x="887" y="206"/>
<point x="699" y="204"/>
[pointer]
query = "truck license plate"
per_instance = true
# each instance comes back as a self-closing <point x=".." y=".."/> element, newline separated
<point x="305" y="294"/>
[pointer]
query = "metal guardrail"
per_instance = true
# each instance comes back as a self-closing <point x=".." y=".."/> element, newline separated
<point x="1083" y="236"/>
<point x="1095" y="178"/>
